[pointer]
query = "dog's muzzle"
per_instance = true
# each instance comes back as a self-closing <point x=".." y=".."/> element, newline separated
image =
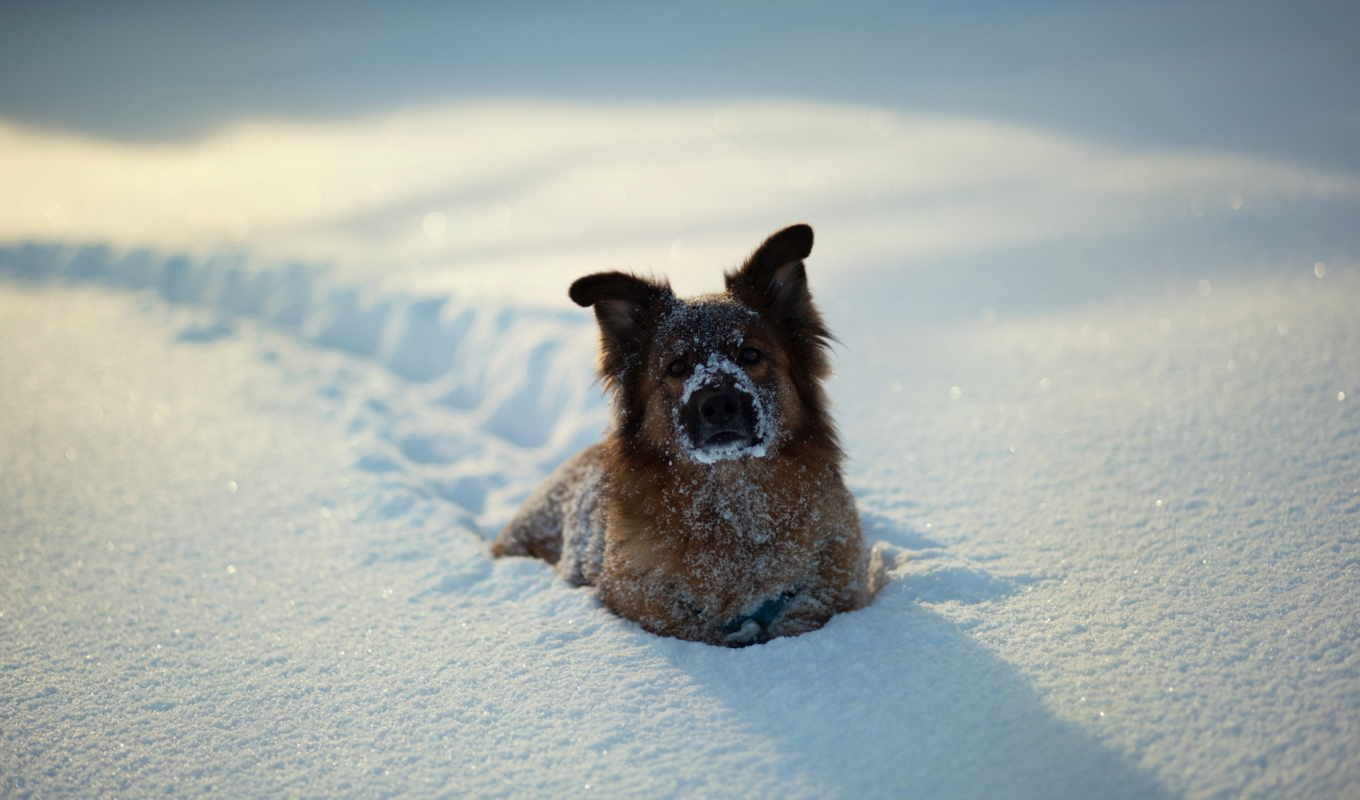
<point x="719" y="416"/>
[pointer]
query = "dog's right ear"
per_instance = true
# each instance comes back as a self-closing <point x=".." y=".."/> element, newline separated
<point x="624" y="305"/>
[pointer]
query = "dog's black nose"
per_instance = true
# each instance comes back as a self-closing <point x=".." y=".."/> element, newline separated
<point x="719" y="416"/>
<point x="718" y="407"/>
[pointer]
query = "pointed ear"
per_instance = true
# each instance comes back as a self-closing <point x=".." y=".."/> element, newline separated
<point x="773" y="280"/>
<point x="624" y="305"/>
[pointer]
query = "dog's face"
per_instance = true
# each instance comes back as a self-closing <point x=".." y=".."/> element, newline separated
<point x="717" y="385"/>
<point x="720" y="377"/>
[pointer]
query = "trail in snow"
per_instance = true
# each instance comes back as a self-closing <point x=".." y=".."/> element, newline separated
<point x="463" y="395"/>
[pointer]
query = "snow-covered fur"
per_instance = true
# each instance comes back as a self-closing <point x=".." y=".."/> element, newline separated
<point x="715" y="508"/>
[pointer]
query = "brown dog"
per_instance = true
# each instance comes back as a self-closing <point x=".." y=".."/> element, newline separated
<point x="715" y="509"/>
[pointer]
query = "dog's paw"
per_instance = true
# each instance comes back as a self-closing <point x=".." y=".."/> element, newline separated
<point x="742" y="631"/>
<point x="755" y="625"/>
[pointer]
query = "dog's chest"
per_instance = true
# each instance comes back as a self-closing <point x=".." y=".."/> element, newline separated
<point x="728" y="511"/>
<point x="721" y="531"/>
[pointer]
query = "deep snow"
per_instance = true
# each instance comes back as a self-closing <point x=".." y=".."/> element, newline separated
<point x="246" y="516"/>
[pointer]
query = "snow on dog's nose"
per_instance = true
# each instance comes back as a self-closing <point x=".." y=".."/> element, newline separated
<point x="721" y="414"/>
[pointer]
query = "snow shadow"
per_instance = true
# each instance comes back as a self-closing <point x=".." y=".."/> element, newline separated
<point x="878" y="525"/>
<point x="896" y="701"/>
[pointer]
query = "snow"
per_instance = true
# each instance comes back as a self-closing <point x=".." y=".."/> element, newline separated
<point x="284" y="342"/>
<point x="247" y="514"/>
<point x="464" y="196"/>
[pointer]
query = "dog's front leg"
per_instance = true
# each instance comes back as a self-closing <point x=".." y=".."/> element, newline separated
<point x="787" y="613"/>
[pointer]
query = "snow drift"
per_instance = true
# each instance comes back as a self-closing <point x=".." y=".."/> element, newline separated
<point x="247" y="510"/>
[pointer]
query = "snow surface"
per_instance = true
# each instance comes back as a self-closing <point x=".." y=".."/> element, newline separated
<point x="519" y="197"/>
<point x="246" y="517"/>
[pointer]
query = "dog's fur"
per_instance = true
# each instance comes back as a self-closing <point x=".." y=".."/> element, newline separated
<point x="715" y="508"/>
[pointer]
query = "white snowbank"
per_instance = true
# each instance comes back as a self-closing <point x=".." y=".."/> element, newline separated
<point x="513" y="196"/>
<point x="246" y="513"/>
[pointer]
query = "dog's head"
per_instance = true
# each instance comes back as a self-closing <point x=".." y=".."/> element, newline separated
<point x="717" y="377"/>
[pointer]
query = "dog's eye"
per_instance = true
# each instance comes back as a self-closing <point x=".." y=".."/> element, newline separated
<point x="749" y="356"/>
<point x="678" y="368"/>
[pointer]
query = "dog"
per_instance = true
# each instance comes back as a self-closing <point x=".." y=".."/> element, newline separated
<point x="714" y="510"/>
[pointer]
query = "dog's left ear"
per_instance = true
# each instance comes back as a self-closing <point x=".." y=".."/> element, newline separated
<point x="773" y="280"/>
